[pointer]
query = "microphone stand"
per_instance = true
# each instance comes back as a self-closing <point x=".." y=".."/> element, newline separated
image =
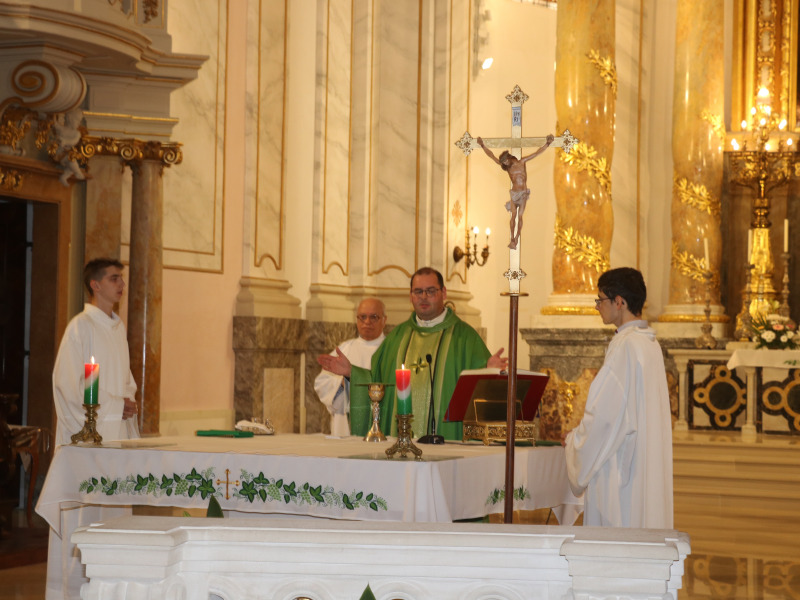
<point x="431" y="437"/>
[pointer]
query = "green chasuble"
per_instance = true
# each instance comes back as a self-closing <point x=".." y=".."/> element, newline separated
<point x="453" y="345"/>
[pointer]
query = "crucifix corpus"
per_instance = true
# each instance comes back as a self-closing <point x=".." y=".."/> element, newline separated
<point x="514" y="163"/>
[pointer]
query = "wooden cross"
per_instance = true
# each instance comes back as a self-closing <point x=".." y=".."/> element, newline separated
<point x="515" y="144"/>
<point x="227" y="482"/>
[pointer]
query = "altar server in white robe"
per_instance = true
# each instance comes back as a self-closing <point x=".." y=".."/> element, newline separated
<point x="620" y="455"/>
<point x="334" y="390"/>
<point x="96" y="332"/>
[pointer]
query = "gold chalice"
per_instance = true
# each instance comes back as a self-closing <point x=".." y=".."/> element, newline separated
<point x="375" y="392"/>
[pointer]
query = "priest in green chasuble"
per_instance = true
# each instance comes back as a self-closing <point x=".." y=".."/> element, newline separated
<point x="435" y="345"/>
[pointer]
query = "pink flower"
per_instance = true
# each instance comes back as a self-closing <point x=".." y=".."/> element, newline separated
<point x="778" y="327"/>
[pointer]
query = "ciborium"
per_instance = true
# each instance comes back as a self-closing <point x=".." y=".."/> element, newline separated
<point x="89" y="432"/>
<point x="376" y="392"/>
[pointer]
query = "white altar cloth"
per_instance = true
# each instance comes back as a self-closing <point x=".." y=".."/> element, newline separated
<point x="309" y="475"/>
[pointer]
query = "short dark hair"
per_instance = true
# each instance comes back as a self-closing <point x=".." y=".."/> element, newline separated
<point x="428" y="271"/>
<point x="95" y="270"/>
<point x="626" y="282"/>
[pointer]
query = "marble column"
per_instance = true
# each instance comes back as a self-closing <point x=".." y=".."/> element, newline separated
<point x="585" y="86"/>
<point x="144" y="292"/>
<point x="104" y="208"/>
<point x="698" y="137"/>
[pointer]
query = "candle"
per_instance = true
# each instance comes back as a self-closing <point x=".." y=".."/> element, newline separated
<point x="91" y="382"/>
<point x="749" y="245"/>
<point x="705" y="249"/>
<point x="786" y="236"/>
<point x="403" y="380"/>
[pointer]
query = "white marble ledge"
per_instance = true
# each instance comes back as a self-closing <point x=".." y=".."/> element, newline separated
<point x="187" y="558"/>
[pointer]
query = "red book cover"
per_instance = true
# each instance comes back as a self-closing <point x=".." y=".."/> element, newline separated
<point x="492" y="384"/>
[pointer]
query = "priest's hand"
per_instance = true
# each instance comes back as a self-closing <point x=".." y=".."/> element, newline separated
<point x="335" y="364"/>
<point x="129" y="409"/>
<point x="496" y="361"/>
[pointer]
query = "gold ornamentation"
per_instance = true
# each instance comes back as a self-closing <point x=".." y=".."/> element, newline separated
<point x="517" y="96"/>
<point x="584" y="158"/>
<point x="456" y="213"/>
<point x="775" y="401"/>
<point x="583" y="248"/>
<point x="665" y="318"/>
<point x="715" y="121"/>
<point x="132" y="150"/>
<point x="568" y="310"/>
<point x="606" y="68"/>
<point x="687" y="264"/>
<point x="696" y="196"/>
<point x="511" y="275"/>
<point x="10" y="179"/>
<point x="150" y="10"/>
<point x="14" y="125"/>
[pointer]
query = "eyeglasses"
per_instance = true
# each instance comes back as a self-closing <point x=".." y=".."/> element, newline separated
<point x="597" y="301"/>
<point x="369" y="318"/>
<point x="430" y="292"/>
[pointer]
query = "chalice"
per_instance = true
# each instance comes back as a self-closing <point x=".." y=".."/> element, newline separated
<point x="375" y="392"/>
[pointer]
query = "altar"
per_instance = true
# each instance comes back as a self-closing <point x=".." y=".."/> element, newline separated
<point x="306" y="475"/>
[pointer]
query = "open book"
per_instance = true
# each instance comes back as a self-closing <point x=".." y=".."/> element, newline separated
<point x="491" y="387"/>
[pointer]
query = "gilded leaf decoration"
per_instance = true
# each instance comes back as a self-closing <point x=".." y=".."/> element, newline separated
<point x="585" y="158"/>
<point x="688" y="265"/>
<point x="715" y="121"/>
<point x="696" y="196"/>
<point x="606" y="68"/>
<point x="583" y="248"/>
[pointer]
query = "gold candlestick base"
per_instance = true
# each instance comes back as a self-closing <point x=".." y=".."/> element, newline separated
<point x="89" y="432"/>
<point x="404" y="445"/>
<point x="706" y="340"/>
<point x="375" y="391"/>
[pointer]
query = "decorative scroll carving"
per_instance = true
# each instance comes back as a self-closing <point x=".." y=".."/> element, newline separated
<point x="133" y="150"/>
<point x="606" y="68"/>
<point x="696" y="196"/>
<point x="15" y="122"/>
<point x="150" y="10"/>
<point x="583" y="248"/>
<point x="584" y="158"/>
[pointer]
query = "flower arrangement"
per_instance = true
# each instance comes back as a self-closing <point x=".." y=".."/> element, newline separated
<point x="774" y="332"/>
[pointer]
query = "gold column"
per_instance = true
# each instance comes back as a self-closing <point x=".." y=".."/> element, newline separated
<point x="585" y="87"/>
<point x="147" y="161"/>
<point x="698" y="138"/>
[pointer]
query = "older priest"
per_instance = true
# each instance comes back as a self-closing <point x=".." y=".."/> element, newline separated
<point x="435" y="344"/>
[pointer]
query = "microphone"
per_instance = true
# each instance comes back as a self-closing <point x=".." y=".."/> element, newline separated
<point x="431" y="437"/>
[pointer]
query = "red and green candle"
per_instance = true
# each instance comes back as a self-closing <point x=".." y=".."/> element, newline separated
<point x="91" y="382"/>
<point x="403" y="382"/>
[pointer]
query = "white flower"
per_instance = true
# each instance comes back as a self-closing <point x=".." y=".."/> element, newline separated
<point x="768" y="336"/>
<point x="784" y="339"/>
<point x="773" y="317"/>
<point x="790" y="334"/>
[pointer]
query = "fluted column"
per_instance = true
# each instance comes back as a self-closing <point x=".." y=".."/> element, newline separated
<point x="698" y="137"/>
<point x="585" y="89"/>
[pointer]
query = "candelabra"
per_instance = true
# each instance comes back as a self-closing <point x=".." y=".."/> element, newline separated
<point x="771" y="164"/>
<point x="784" y="309"/>
<point x="471" y="256"/>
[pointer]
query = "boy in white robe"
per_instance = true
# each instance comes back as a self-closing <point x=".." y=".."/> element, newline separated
<point x="620" y="454"/>
<point x="96" y="332"/>
<point x="334" y="390"/>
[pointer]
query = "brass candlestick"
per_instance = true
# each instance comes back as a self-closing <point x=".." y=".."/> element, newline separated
<point x="744" y="331"/>
<point x="404" y="445"/>
<point x="706" y="340"/>
<point x="784" y="310"/>
<point x="89" y="431"/>
<point x="376" y="392"/>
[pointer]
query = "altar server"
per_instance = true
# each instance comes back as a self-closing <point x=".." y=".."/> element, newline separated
<point x="96" y="332"/>
<point x="620" y="455"/>
<point x="334" y="390"/>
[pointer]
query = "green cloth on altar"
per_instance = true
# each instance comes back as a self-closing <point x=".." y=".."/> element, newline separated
<point x="453" y="345"/>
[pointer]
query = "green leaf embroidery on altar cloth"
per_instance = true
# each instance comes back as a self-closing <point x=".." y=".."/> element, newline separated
<point x="497" y="496"/>
<point x="248" y="488"/>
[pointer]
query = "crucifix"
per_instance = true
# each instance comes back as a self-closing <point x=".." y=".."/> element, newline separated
<point x="513" y="162"/>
